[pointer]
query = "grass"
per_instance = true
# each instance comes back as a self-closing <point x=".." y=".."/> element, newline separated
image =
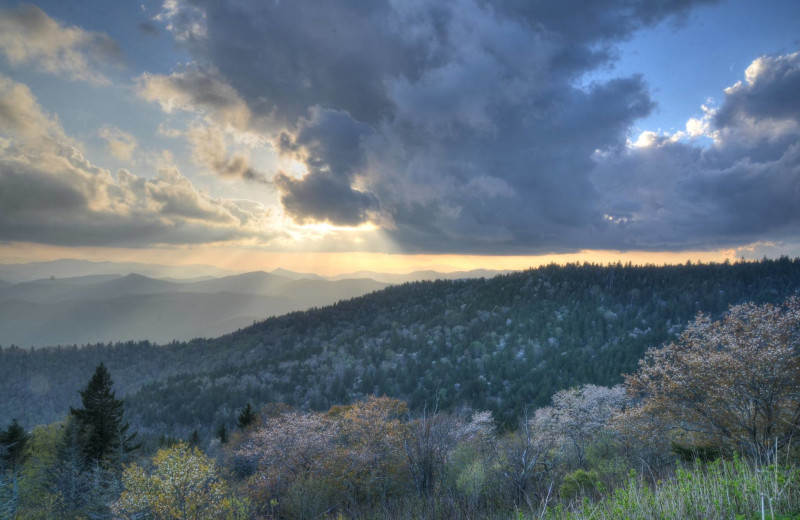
<point x="729" y="490"/>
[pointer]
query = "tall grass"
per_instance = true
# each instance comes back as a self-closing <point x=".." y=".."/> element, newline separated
<point x="729" y="490"/>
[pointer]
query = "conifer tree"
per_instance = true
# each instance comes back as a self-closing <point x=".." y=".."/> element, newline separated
<point x="12" y="455"/>
<point x="104" y="433"/>
<point x="12" y="446"/>
<point x="222" y="433"/>
<point x="246" y="417"/>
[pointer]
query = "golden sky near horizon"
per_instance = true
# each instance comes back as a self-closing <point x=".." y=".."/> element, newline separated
<point x="327" y="263"/>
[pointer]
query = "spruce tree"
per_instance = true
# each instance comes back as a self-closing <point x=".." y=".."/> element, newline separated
<point x="12" y="446"/>
<point x="104" y="434"/>
<point x="222" y="434"/>
<point x="12" y="456"/>
<point x="246" y="417"/>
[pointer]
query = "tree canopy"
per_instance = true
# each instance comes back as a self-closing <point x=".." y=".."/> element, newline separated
<point x="733" y="383"/>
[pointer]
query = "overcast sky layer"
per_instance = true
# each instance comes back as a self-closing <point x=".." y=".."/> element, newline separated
<point x="507" y="128"/>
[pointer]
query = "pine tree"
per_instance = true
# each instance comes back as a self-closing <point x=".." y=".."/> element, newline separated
<point x="104" y="433"/>
<point x="222" y="433"/>
<point x="12" y="446"/>
<point x="12" y="455"/>
<point x="246" y="417"/>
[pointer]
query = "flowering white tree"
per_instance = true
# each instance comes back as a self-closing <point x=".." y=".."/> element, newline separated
<point x="578" y="415"/>
<point x="733" y="383"/>
<point x="286" y="447"/>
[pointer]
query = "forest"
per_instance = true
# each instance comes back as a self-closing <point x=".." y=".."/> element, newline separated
<point x="705" y="427"/>
<point x="504" y="344"/>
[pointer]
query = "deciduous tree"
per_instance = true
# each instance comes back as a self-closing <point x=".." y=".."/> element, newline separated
<point x="183" y="484"/>
<point x="733" y="383"/>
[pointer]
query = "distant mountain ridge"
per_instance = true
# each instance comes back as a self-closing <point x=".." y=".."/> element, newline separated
<point x="71" y="268"/>
<point x="63" y="303"/>
<point x="104" y="308"/>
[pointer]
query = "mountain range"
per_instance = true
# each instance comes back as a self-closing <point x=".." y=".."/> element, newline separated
<point x="104" y="303"/>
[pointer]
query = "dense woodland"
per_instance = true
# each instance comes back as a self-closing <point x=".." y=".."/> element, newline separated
<point x="501" y="345"/>
<point x="704" y="428"/>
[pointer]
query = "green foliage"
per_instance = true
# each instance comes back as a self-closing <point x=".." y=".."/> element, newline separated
<point x="580" y="483"/>
<point x="715" y="491"/>
<point x="37" y="498"/>
<point x="99" y="421"/>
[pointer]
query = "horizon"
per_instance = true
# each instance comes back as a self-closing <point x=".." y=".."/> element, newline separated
<point x="439" y="269"/>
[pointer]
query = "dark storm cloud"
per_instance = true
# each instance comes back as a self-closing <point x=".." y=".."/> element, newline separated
<point x="330" y="144"/>
<point x="466" y="126"/>
<point x="745" y="187"/>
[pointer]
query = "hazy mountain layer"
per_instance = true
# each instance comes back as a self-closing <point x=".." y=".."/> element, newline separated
<point x="70" y="268"/>
<point x="107" y="308"/>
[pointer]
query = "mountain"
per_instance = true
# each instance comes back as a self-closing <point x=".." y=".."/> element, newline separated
<point x="325" y="292"/>
<point x="257" y="282"/>
<point x="500" y="344"/>
<point x="105" y="308"/>
<point x="297" y="276"/>
<point x="70" y="268"/>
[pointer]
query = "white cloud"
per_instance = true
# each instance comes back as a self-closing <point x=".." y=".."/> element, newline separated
<point x="29" y="35"/>
<point x="119" y="144"/>
<point x="51" y="193"/>
<point x="21" y="116"/>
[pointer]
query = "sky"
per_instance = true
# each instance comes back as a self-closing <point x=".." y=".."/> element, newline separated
<point x="399" y="134"/>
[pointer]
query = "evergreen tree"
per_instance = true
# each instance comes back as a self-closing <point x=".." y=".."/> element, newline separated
<point x="12" y="455"/>
<point x="104" y="433"/>
<point x="222" y="433"/>
<point x="246" y="417"/>
<point x="12" y="446"/>
<point x="194" y="439"/>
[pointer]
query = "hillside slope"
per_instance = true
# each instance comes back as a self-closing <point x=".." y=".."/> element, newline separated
<point x="500" y="344"/>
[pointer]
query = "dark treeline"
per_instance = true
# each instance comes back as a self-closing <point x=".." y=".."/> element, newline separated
<point x="498" y="345"/>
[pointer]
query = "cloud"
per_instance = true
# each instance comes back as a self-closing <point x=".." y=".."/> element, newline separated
<point x="329" y="144"/>
<point x="469" y="126"/>
<point x="119" y="144"/>
<point x="29" y="35"/>
<point x="741" y="189"/>
<point x="211" y="151"/>
<point x="197" y="90"/>
<point x="20" y="114"/>
<point x="50" y="193"/>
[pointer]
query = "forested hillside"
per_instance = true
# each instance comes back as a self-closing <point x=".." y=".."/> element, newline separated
<point x="500" y="344"/>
